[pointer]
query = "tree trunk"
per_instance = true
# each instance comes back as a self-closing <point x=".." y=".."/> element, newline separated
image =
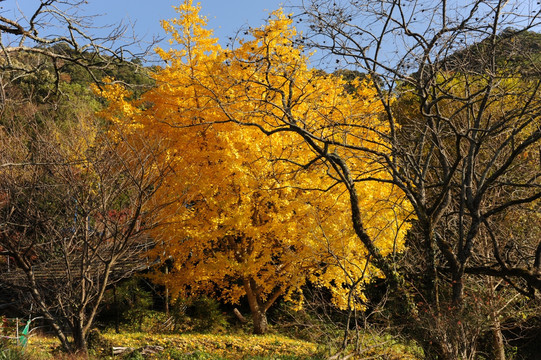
<point x="498" y="345"/>
<point x="458" y="288"/>
<point x="498" y="351"/>
<point x="79" y="340"/>
<point x="257" y="306"/>
<point x="117" y="311"/>
<point x="166" y="294"/>
<point x="260" y="322"/>
<point x="431" y="272"/>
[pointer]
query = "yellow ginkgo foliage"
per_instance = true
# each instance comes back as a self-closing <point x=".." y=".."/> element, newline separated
<point x="260" y="215"/>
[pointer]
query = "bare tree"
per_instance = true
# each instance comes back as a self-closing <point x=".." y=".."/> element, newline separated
<point x="460" y="86"/>
<point x="76" y="209"/>
<point x="54" y="37"/>
<point x="76" y="202"/>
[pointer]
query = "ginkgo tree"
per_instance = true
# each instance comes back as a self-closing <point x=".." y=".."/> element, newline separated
<point x="258" y="215"/>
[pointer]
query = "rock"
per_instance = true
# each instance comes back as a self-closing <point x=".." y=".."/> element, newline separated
<point x="119" y="350"/>
<point x="151" y="349"/>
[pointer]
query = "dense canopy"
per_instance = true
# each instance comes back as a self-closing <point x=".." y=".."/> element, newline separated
<point x="257" y="214"/>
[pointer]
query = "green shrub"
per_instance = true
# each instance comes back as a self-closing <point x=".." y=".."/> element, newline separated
<point x="131" y="306"/>
<point x="199" y="314"/>
<point x="143" y="319"/>
<point x="206" y="315"/>
<point x="97" y="344"/>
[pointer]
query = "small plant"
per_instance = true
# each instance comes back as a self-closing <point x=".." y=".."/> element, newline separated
<point x="134" y="355"/>
<point x="130" y="307"/>
<point x="199" y="314"/>
<point x="97" y="344"/>
<point x="206" y="314"/>
<point x="12" y="353"/>
<point x="175" y="354"/>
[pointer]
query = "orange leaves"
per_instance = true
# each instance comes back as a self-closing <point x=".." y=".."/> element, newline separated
<point x="252" y="207"/>
<point x="188" y="30"/>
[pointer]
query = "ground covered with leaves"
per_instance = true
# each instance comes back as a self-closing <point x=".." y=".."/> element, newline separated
<point x="204" y="346"/>
<point x="188" y="346"/>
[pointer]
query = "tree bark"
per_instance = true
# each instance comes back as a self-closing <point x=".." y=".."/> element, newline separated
<point x="260" y="322"/>
<point x="79" y="340"/>
<point x="117" y="311"/>
<point x="436" y="351"/>
<point x="498" y="347"/>
<point x="239" y="316"/>
<point x="458" y="288"/>
<point x="257" y="307"/>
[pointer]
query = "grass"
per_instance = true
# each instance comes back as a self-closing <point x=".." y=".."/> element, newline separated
<point x="241" y="346"/>
<point x="191" y="346"/>
<point x="220" y="346"/>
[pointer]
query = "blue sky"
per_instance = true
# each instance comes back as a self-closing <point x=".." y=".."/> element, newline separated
<point x="225" y="16"/>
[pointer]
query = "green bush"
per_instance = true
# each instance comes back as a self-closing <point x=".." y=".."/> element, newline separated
<point x="143" y="319"/>
<point x="97" y="344"/>
<point x="199" y="314"/>
<point x="131" y="306"/>
<point x="206" y="315"/>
